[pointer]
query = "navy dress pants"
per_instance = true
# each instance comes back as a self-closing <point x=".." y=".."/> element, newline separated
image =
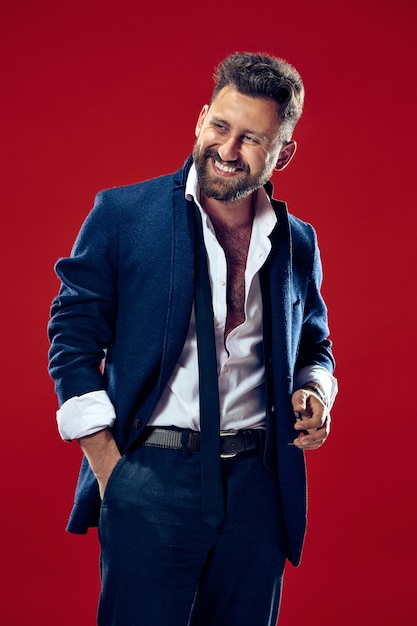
<point x="162" y="565"/>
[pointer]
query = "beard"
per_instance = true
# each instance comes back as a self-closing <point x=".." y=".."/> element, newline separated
<point x="226" y="189"/>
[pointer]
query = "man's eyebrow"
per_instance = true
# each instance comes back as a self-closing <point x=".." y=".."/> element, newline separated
<point x="245" y="131"/>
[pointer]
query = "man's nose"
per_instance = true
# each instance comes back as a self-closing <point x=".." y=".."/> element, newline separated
<point x="229" y="150"/>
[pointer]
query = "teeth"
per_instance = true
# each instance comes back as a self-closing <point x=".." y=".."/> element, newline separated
<point x="225" y="168"/>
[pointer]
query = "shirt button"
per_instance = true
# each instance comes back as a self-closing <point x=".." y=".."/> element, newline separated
<point x="220" y="326"/>
<point x="222" y="283"/>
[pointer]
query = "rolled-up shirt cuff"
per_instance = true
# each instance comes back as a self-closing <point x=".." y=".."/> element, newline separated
<point x="319" y="375"/>
<point x="85" y="415"/>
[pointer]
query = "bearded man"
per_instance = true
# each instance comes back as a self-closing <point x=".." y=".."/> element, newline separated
<point x="190" y="353"/>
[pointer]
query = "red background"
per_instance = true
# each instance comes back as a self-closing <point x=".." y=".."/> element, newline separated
<point x="98" y="94"/>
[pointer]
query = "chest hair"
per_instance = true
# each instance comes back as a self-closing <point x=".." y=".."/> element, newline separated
<point x="235" y="243"/>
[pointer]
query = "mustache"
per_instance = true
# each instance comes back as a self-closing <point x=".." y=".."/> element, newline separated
<point x="210" y="153"/>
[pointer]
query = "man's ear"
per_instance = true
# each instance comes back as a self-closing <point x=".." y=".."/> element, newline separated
<point x="286" y="154"/>
<point x="201" y="118"/>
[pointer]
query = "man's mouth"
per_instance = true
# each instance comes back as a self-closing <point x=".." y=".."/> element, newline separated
<point x="227" y="169"/>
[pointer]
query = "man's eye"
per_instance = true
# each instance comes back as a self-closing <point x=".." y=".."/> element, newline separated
<point x="249" y="139"/>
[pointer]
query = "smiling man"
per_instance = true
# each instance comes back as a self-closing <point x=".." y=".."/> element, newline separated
<point x="202" y="293"/>
<point x="238" y="145"/>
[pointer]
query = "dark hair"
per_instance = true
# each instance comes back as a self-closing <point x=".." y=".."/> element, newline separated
<point x="264" y="76"/>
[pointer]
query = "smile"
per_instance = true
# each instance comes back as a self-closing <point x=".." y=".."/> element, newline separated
<point x="228" y="169"/>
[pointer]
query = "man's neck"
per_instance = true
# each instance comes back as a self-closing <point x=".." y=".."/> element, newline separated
<point x="238" y="214"/>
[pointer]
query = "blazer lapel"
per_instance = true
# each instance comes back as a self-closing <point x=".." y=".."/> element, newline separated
<point x="181" y="279"/>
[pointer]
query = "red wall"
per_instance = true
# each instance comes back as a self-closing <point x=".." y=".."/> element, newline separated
<point x="95" y="95"/>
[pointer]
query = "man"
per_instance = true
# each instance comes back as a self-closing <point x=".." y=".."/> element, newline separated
<point x="165" y="275"/>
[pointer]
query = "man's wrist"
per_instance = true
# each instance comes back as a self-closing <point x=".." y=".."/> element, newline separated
<point x="318" y="390"/>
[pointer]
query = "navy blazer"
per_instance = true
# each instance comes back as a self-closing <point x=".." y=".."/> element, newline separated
<point x="126" y="295"/>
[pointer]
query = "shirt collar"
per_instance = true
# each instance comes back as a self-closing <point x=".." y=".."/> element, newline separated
<point x="265" y="216"/>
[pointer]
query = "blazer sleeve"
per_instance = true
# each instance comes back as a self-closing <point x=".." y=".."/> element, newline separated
<point x="315" y="347"/>
<point x="82" y="321"/>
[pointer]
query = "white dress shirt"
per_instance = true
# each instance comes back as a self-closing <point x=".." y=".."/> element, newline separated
<point x="240" y="364"/>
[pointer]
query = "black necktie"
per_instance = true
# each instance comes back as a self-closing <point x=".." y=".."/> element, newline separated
<point x="211" y="473"/>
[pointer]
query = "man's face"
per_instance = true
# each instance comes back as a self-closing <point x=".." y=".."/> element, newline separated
<point x="237" y="145"/>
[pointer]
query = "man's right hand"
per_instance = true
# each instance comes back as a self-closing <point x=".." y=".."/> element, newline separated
<point x="102" y="454"/>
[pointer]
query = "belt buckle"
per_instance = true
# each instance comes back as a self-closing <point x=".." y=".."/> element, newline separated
<point x="228" y="433"/>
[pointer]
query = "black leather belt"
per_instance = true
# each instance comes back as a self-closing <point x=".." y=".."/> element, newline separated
<point x="232" y="442"/>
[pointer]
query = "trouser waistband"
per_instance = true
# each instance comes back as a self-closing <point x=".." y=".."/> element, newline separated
<point x="232" y="442"/>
